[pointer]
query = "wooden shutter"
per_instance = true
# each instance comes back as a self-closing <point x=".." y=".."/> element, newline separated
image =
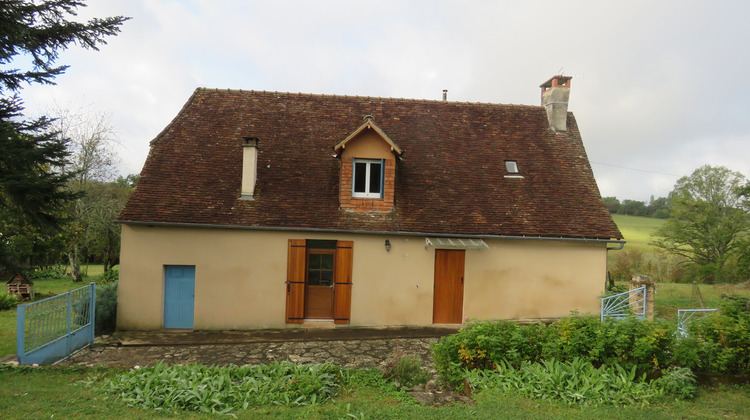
<point x="342" y="282"/>
<point x="295" y="282"/>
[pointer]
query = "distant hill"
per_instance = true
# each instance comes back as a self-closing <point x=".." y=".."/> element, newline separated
<point x="637" y="230"/>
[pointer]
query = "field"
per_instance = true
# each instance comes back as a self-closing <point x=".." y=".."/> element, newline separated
<point x="637" y="230"/>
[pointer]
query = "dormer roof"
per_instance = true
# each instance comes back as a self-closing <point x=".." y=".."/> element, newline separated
<point x="369" y="124"/>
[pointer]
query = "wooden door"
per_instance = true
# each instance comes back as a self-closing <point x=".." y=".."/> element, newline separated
<point x="179" y="296"/>
<point x="448" y="303"/>
<point x="319" y="283"/>
<point x="311" y="299"/>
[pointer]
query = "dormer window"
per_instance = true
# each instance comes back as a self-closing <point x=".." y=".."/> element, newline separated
<point x="368" y="169"/>
<point x="367" y="176"/>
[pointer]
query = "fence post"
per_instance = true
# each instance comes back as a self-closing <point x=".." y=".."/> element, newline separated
<point x="70" y="319"/>
<point x="20" y="332"/>
<point x="92" y="310"/>
<point x="641" y="281"/>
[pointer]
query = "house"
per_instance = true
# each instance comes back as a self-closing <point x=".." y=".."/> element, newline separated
<point x="272" y="210"/>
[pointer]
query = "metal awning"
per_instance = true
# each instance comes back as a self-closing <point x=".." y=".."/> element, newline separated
<point x="455" y="243"/>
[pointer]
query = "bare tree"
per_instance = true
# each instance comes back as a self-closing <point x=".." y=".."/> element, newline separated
<point x="93" y="158"/>
<point x="91" y="141"/>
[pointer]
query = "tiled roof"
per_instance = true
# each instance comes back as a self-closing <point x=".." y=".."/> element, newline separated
<point x="449" y="180"/>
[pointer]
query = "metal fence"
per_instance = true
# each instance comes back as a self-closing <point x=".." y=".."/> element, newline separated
<point x="52" y="329"/>
<point x="621" y="305"/>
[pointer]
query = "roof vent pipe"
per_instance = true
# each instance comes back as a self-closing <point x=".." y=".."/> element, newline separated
<point x="555" y="96"/>
<point x="445" y="94"/>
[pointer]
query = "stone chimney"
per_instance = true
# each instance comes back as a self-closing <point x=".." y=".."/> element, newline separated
<point x="555" y="94"/>
<point x="249" y="167"/>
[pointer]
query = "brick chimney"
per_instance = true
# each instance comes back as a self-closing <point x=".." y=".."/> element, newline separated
<point x="555" y="94"/>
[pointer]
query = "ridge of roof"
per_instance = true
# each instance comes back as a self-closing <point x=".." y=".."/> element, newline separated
<point x="365" y="97"/>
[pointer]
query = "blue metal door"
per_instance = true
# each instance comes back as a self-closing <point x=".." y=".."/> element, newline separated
<point x="179" y="296"/>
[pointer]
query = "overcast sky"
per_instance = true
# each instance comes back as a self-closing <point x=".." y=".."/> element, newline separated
<point x="660" y="88"/>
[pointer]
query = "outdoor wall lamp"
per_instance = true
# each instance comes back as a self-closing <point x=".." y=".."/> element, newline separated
<point x="387" y="245"/>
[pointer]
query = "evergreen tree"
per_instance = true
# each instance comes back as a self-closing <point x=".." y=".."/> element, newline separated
<point x="32" y="156"/>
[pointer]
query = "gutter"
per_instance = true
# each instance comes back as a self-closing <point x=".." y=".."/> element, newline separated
<point x="620" y="243"/>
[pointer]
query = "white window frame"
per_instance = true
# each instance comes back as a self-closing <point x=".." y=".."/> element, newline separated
<point x="367" y="193"/>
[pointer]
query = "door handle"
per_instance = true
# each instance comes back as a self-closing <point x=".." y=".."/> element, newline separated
<point x="462" y="279"/>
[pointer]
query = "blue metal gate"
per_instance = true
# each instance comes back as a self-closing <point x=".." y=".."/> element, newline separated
<point x="625" y="304"/>
<point x="179" y="296"/>
<point x="52" y="329"/>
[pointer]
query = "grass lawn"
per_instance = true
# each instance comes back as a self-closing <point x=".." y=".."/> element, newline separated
<point x="7" y="332"/>
<point x="637" y="230"/>
<point x="60" y="393"/>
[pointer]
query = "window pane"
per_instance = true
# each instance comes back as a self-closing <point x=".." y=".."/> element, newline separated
<point x="327" y="261"/>
<point x="314" y="261"/>
<point x="375" y="178"/>
<point x="313" y="277"/>
<point x="511" y="166"/>
<point x="326" y="277"/>
<point x="360" y="173"/>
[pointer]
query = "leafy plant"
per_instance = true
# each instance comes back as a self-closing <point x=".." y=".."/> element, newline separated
<point x="7" y="301"/>
<point x="679" y="382"/>
<point x="221" y="390"/>
<point x="576" y="382"/>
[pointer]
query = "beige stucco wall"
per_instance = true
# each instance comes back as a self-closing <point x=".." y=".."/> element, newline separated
<point x="241" y="274"/>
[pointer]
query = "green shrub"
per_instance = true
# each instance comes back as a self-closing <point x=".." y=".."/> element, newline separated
<point x="406" y="372"/>
<point x="106" y="308"/>
<point x="221" y="390"/>
<point x="678" y="382"/>
<point x="717" y="344"/>
<point x="617" y="288"/>
<point x="46" y="274"/>
<point x="8" y="301"/>
<point x="109" y="276"/>
<point x="631" y="343"/>
<point x="723" y="340"/>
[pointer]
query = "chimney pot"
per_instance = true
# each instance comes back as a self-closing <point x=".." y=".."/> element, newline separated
<point x="445" y="94"/>
<point x="555" y="96"/>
